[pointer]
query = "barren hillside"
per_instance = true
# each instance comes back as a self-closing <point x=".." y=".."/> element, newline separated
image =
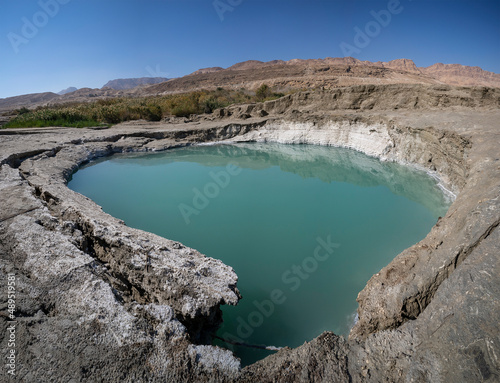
<point x="296" y="74"/>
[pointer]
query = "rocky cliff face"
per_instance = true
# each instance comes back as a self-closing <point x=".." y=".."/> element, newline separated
<point x="403" y="65"/>
<point x="100" y="301"/>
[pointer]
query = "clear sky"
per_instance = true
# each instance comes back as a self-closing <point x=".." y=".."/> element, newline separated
<point x="49" y="45"/>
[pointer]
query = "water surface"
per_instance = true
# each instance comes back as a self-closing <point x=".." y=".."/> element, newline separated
<point x="303" y="226"/>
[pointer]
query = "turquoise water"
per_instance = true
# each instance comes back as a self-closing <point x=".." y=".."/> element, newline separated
<point x="303" y="226"/>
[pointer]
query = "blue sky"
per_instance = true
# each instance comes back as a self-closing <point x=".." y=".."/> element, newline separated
<point x="85" y="43"/>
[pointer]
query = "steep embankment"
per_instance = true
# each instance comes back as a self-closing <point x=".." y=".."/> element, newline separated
<point x="133" y="306"/>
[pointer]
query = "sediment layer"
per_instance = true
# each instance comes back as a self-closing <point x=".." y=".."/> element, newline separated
<point x="98" y="300"/>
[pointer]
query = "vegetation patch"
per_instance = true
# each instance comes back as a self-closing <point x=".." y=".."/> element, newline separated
<point x="115" y="110"/>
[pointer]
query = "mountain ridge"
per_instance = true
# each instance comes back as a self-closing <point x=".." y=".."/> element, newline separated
<point x="67" y="90"/>
<point x="130" y="83"/>
<point x="435" y="70"/>
<point x="298" y="74"/>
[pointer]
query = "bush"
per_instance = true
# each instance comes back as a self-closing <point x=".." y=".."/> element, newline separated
<point x="183" y="110"/>
<point x="209" y="103"/>
<point x="111" y="115"/>
<point x="153" y="113"/>
<point x="23" y="110"/>
<point x="263" y="92"/>
<point x="116" y="110"/>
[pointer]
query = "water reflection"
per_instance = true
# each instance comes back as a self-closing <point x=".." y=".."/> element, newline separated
<point x="309" y="161"/>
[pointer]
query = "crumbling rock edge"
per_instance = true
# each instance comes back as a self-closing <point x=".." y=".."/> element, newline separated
<point x="133" y="306"/>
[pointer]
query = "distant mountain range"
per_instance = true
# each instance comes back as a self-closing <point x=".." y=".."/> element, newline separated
<point x="130" y="83"/>
<point x="328" y="73"/>
<point x="122" y="84"/>
<point x="66" y="91"/>
<point x="451" y="74"/>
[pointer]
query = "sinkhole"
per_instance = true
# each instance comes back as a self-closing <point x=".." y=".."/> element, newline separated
<point x="303" y="226"/>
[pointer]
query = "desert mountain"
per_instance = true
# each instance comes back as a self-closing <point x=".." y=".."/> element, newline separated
<point x="451" y="74"/>
<point x="208" y="70"/>
<point x="130" y="83"/>
<point x="399" y="64"/>
<point x="328" y="73"/>
<point x="68" y="90"/>
<point x="456" y="74"/>
<point x="27" y="100"/>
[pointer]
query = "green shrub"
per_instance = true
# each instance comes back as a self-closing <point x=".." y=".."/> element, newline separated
<point x="116" y="110"/>
<point x="23" y="110"/>
<point x="153" y="113"/>
<point x="263" y="92"/>
<point x="111" y="115"/>
<point x="184" y="110"/>
<point x="209" y="103"/>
